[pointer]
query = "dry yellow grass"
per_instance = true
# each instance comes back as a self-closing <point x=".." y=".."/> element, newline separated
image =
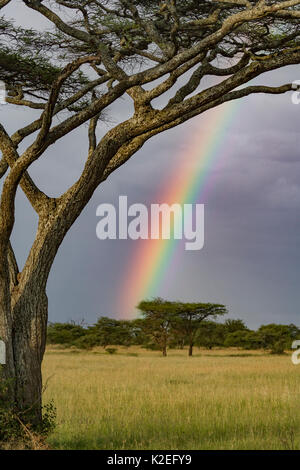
<point x="139" y="400"/>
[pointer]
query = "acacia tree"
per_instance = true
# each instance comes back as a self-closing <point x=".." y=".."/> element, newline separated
<point x="191" y="315"/>
<point x="165" y="319"/>
<point x="96" y="52"/>
<point x="159" y="321"/>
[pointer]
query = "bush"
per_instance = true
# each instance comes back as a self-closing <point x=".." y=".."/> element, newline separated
<point x="88" y="341"/>
<point x="15" y="427"/>
<point x="278" y="347"/>
<point x="49" y="418"/>
<point x="111" y="350"/>
<point x="9" y="426"/>
<point x="64" y="333"/>
<point x="277" y="338"/>
<point x="243" y="339"/>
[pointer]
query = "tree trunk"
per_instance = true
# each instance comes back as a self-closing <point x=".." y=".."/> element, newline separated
<point x="25" y="339"/>
<point x="191" y="349"/>
<point x="164" y="351"/>
<point x="6" y="329"/>
<point x="8" y="370"/>
<point x="30" y="316"/>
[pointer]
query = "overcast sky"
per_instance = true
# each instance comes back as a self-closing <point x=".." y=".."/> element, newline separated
<point x="251" y="257"/>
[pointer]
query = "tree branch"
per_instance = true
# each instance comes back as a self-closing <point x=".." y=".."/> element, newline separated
<point x="3" y="3"/>
<point x="10" y="156"/>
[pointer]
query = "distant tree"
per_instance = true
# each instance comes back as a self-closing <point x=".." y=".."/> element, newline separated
<point x="64" y="333"/>
<point x="179" y="338"/>
<point x="278" y="347"/>
<point x="191" y="315"/>
<point x="273" y="337"/>
<point x="234" y="325"/>
<point x="245" y="339"/>
<point x="294" y="331"/>
<point x="164" y="324"/>
<point x="236" y="333"/>
<point x="159" y="319"/>
<point x="277" y="337"/>
<point x="88" y="341"/>
<point x="107" y="330"/>
<point x="165" y="318"/>
<point x="138" y="332"/>
<point x="210" y="334"/>
<point x="123" y="333"/>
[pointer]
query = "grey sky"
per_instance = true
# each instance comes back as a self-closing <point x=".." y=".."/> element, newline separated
<point x="251" y="258"/>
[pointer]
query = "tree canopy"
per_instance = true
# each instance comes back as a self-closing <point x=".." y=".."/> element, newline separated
<point x="164" y="319"/>
<point x="151" y="332"/>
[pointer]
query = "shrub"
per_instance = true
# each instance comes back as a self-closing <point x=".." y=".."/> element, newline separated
<point x="278" y="347"/>
<point x="111" y="350"/>
<point x="276" y="337"/>
<point x="88" y="341"/>
<point x="9" y="426"/>
<point x="15" y="427"/>
<point x="64" y="333"/>
<point x="243" y="339"/>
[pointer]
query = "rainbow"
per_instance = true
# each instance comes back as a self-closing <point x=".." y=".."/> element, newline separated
<point x="152" y="259"/>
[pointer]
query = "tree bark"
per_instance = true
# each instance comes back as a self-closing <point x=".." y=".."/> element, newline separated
<point x="164" y="351"/>
<point x="30" y="316"/>
<point x="6" y="318"/>
<point x="23" y="329"/>
<point x="191" y="349"/>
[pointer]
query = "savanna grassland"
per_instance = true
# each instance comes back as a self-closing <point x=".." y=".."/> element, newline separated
<point x="136" y="399"/>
